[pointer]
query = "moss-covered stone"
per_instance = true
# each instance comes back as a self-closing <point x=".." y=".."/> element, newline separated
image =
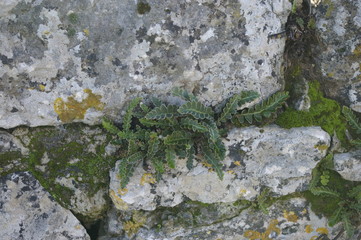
<point x="323" y="112"/>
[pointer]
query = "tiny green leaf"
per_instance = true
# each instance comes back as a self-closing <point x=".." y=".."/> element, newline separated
<point x="197" y="110"/>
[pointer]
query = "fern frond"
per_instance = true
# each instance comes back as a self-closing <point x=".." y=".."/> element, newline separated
<point x="350" y="230"/>
<point x="356" y="193"/>
<point x="197" y="110"/>
<point x="194" y="125"/>
<point x="213" y="132"/>
<point x="263" y="109"/>
<point x="316" y="177"/>
<point x="153" y="146"/>
<point x="127" y="120"/>
<point x="351" y="119"/>
<point x="133" y="147"/>
<point x="127" y="167"/>
<point x="162" y="112"/>
<point x="214" y="161"/>
<point x="177" y="92"/>
<point x="158" y="166"/>
<point x="109" y="126"/>
<point x="356" y="142"/>
<point x="190" y="157"/>
<point x="144" y="108"/>
<point x="218" y="148"/>
<point x="324" y="190"/>
<point x="178" y="138"/>
<point x="170" y="157"/>
<point x="336" y="217"/>
<point x="234" y="102"/>
<point x="158" y="123"/>
<point x="156" y="101"/>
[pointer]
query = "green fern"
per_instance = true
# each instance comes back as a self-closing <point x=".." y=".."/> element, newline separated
<point x="127" y="120"/>
<point x="237" y="100"/>
<point x="127" y="167"/>
<point x="194" y="125"/>
<point x="263" y="110"/>
<point x="178" y="138"/>
<point x="350" y="230"/>
<point x="324" y="190"/>
<point x="197" y="110"/>
<point x="177" y="92"/>
<point x="336" y="217"/>
<point x="159" y="133"/>
<point x="170" y="156"/>
<point x="351" y="119"/>
<point x="356" y="193"/>
<point x="214" y="160"/>
<point x="162" y="112"/>
<point x="109" y="126"/>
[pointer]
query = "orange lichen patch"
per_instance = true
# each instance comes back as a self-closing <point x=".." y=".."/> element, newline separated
<point x="72" y="109"/>
<point x="237" y="163"/>
<point x="290" y="216"/>
<point x="118" y="202"/>
<point x="308" y="229"/>
<point x="272" y="227"/>
<point x="322" y="230"/>
<point x="122" y="191"/>
<point x="250" y="234"/>
<point x="357" y="50"/>
<point x="147" y="178"/>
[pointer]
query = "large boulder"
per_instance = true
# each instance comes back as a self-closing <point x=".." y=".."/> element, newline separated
<point x="27" y="211"/>
<point x="77" y="61"/>
<point x="338" y="23"/>
<point x="271" y="157"/>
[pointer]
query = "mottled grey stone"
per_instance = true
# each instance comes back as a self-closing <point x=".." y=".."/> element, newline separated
<point x="349" y="165"/>
<point x="291" y="219"/>
<point x="54" y="52"/>
<point x="272" y="157"/>
<point x="27" y="211"/>
<point x="339" y="27"/>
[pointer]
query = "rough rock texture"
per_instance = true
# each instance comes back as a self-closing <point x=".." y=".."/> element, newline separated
<point x="71" y="162"/>
<point x="339" y="27"/>
<point x="279" y="159"/>
<point x="349" y="165"/>
<point x="76" y="61"/>
<point x="291" y="219"/>
<point x="28" y="212"/>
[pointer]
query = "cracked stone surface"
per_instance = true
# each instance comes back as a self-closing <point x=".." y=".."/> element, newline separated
<point x="339" y="27"/>
<point x="27" y="211"/>
<point x="348" y="165"/>
<point x="272" y="157"/>
<point x="81" y="60"/>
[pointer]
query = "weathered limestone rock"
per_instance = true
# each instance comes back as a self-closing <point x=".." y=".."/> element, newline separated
<point x="349" y="165"/>
<point x="272" y="157"/>
<point x="77" y="61"/>
<point x="71" y="162"/>
<point x="339" y="27"/>
<point x="291" y="219"/>
<point x="27" y="211"/>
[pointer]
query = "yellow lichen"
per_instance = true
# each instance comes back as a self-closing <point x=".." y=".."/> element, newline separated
<point x="322" y="230"/>
<point x="357" y="50"/>
<point x="272" y="228"/>
<point x="147" y="178"/>
<point x="118" y="202"/>
<point x="231" y="172"/>
<point x="72" y="109"/>
<point x="308" y="229"/>
<point x="207" y="165"/>
<point x="132" y="227"/>
<point x="243" y="191"/>
<point x="86" y="31"/>
<point x="122" y="191"/>
<point x="321" y="147"/>
<point x="41" y="87"/>
<point x="250" y="234"/>
<point x="237" y="163"/>
<point x="290" y="216"/>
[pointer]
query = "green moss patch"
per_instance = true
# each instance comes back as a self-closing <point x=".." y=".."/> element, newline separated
<point x="324" y="112"/>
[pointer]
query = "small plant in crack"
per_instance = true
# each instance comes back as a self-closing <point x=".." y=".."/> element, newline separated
<point x="157" y="133"/>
